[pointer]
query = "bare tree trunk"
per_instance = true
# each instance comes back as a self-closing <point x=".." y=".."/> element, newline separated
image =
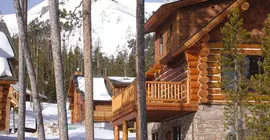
<point x="30" y="69"/>
<point x="22" y="79"/>
<point x="58" y="69"/>
<point x="140" y="66"/>
<point x="88" y="71"/>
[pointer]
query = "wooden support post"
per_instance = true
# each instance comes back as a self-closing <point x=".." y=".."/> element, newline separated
<point x="137" y="129"/>
<point x="116" y="132"/>
<point x="125" y="130"/>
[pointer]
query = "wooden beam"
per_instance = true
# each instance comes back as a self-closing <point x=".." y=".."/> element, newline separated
<point x="219" y="45"/>
<point x="7" y="115"/>
<point x="206" y="38"/>
<point x="116" y="132"/>
<point x="245" y="6"/>
<point x="125" y="130"/>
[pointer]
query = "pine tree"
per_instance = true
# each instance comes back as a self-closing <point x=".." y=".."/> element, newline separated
<point x="140" y="75"/>
<point x="30" y="68"/>
<point x="234" y="84"/>
<point x="58" y="69"/>
<point x="22" y="80"/>
<point x="259" y="120"/>
<point x="88" y="70"/>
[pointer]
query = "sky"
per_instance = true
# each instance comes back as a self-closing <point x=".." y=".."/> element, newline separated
<point x="6" y="6"/>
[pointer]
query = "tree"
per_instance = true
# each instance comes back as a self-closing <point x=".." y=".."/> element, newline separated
<point x="234" y="83"/>
<point x="259" y="120"/>
<point x="88" y="70"/>
<point x="140" y="65"/>
<point x="22" y="79"/>
<point x="30" y="68"/>
<point x="58" y="69"/>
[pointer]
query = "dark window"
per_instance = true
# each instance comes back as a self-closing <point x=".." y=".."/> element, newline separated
<point x="161" y="44"/>
<point x="251" y="67"/>
<point x="169" y="135"/>
<point x="171" y="30"/>
<point x="177" y="133"/>
<point x="154" y="136"/>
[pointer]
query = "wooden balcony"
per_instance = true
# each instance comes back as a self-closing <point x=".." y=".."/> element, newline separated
<point x="164" y="100"/>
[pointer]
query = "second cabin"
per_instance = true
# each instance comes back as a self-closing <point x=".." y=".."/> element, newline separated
<point x="103" y="90"/>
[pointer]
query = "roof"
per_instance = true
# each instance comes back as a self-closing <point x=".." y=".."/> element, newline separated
<point x="164" y="12"/>
<point x="99" y="88"/>
<point x="7" y="54"/>
<point x="201" y="32"/>
<point x="16" y="87"/>
<point x="121" y="81"/>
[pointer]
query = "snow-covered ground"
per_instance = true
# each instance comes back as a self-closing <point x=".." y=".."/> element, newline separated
<point x="76" y="131"/>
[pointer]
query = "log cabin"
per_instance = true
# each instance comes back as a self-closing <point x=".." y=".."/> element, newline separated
<point x="14" y="95"/>
<point x="183" y="97"/>
<point x="7" y="75"/>
<point x="103" y="89"/>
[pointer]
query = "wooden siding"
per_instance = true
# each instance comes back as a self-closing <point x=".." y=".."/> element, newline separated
<point x="4" y="108"/>
<point x="170" y="37"/>
<point x="186" y="21"/>
<point x="176" y="71"/>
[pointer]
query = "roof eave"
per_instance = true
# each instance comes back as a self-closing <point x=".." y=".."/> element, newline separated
<point x="148" y="26"/>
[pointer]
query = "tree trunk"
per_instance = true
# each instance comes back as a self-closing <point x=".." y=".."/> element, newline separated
<point x="58" y="70"/>
<point x="30" y="69"/>
<point x="140" y="65"/>
<point x="22" y="79"/>
<point x="88" y="72"/>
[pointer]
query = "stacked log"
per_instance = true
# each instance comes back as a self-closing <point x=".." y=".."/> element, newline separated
<point x="203" y="74"/>
<point x="193" y="74"/>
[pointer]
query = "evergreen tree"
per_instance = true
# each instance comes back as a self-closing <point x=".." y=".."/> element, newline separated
<point x="234" y="84"/>
<point x="259" y="120"/>
<point x="58" y="69"/>
<point x="30" y="68"/>
<point x="140" y="72"/>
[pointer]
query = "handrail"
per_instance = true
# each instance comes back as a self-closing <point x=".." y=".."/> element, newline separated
<point x="126" y="97"/>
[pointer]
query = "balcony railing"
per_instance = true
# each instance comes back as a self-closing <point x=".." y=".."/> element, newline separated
<point x="166" y="92"/>
<point x="156" y="92"/>
<point x="126" y="97"/>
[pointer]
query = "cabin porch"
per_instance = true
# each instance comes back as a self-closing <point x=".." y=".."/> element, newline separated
<point x="164" y="101"/>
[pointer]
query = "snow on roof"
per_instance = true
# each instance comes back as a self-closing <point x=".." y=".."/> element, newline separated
<point x="99" y="88"/>
<point x="122" y="79"/>
<point x="17" y="88"/>
<point x="6" y="50"/>
<point x="4" y="67"/>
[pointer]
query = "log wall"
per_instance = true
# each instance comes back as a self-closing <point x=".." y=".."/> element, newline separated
<point x="186" y="22"/>
<point x="175" y="71"/>
<point x="4" y="108"/>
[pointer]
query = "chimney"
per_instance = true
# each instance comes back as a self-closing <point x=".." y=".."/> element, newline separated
<point x="78" y="72"/>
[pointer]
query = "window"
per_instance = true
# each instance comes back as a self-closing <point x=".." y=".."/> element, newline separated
<point x="160" y="43"/>
<point x="177" y="133"/>
<point x="171" y="30"/>
<point x="168" y="135"/>
<point x="154" y="136"/>
<point x="251" y="66"/>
